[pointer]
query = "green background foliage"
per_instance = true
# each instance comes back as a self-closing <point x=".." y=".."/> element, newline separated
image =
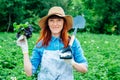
<point x="102" y="16"/>
<point x="101" y="51"/>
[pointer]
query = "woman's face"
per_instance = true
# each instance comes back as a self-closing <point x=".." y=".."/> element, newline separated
<point x="56" y="25"/>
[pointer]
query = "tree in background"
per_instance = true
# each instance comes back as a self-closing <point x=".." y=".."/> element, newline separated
<point x="102" y="16"/>
<point x="75" y="8"/>
<point x="25" y="11"/>
<point x="11" y="11"/>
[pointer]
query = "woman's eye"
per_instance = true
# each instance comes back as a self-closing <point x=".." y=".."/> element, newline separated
<point x="59" y="19"/>
<point x="50" y="19"/>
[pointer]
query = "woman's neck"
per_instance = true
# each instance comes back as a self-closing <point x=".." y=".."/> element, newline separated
<point x="56" y="35"/>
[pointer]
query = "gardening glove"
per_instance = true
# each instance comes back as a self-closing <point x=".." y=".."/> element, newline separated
<point x="68" y="61"/>
<point x="66" y="54"/>
<point x="22" y="42"/>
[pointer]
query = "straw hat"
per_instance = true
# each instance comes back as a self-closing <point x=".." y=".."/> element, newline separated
<point x="59" y="12"/>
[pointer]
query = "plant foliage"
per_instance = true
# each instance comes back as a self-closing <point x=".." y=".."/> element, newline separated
<point x="101" y="51"/>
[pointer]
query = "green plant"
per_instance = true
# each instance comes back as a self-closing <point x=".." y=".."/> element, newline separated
<point x="23" y="29"/>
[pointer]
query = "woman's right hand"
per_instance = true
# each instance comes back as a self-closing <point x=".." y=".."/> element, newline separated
<point x="22" y="42"/>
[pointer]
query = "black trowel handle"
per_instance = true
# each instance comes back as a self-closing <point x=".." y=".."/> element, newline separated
<point x="71" y="40"/>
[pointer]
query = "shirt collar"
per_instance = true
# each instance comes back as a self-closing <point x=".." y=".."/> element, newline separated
<point x="55" y="38"/>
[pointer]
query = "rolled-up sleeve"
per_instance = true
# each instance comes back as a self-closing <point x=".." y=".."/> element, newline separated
<point x="78" y="53"/>
<point x="35" y="59"/>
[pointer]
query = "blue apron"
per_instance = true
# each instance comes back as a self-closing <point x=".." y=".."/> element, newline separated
<point x="54" y="68"/>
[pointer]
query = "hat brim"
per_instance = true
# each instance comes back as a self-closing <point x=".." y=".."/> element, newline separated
<point x="68" y="18"/>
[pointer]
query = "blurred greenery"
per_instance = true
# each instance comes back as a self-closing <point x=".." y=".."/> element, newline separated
<point x="102" y="16"/>
<point x="101" y="51"/>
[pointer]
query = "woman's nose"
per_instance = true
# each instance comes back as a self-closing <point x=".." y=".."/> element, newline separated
<point x="55" y="23"/>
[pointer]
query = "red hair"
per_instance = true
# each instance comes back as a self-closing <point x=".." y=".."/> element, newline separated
<point x="45" y="35"/>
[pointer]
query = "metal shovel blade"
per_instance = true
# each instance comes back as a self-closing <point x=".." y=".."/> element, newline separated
<point x="79" y="22"/>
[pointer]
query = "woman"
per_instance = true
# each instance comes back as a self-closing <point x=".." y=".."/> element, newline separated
<point x="46" y="53"/>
